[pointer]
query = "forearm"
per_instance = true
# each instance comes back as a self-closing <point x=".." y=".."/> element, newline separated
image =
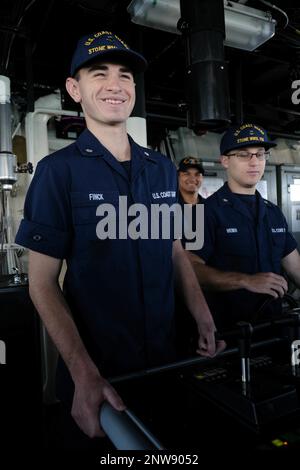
<point x="291" y="265"/>
<point x="187" y="285"/>
<point x="214" y="279"/>
<point x="294" y="277"/>
<point x="55" y="314"/>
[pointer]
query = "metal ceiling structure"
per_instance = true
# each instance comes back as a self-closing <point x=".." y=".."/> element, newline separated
<point x="37" y="39"/>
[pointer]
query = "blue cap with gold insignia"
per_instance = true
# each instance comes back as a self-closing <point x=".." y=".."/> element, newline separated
<point x="190" y="162"/>
<point x="105" y="45"/>
<point x="245" y="135"/>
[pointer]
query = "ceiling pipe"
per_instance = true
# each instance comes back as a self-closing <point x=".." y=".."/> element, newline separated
<point x="7" y="158"/>
<point x="203" y="28"/>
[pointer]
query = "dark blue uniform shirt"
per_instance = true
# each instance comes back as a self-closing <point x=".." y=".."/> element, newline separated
<point x="182" y="202"/>
<point x="241" y="240"/>
<point x="119" y="291"/>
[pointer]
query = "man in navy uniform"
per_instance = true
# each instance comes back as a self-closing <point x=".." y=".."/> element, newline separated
<point x="190" y="178"/>
<point x="247" y="245"/>
<point x="116" y="314"/>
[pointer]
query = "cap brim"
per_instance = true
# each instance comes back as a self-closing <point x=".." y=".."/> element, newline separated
<point x="266" y="145"/>
<point x="187" y="166"/>
<point x="136" y="62"/>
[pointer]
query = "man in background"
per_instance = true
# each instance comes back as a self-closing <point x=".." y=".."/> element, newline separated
<point x="247" y="244"/>
<point x="190" y="178"/>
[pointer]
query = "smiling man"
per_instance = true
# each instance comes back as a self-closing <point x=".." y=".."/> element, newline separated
<point x="116" y="314"/>
<point x="190" y="178"/>
<point x="247" y="245"/>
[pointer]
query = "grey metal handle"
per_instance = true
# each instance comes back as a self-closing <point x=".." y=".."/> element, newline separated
<point x="125" y="430"/>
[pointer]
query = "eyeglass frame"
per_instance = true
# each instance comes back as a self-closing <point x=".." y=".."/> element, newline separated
<point x="248" y="158"/>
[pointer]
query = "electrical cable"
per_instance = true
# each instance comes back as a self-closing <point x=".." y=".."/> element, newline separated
<point x="277" y="9"/>
<point x="14" y="35"/>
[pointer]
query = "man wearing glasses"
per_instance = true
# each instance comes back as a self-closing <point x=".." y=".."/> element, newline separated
<point x="247" y="245"/>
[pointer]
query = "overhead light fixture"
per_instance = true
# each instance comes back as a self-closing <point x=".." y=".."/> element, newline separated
<point x="246" y="28"/>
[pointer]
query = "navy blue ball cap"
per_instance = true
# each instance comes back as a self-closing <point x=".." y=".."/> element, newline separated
<point x="245" y="135"/>
<point x="104" y="45"/>
<point x="191" y="162"/>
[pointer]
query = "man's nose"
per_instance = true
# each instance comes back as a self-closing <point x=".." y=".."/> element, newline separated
<point x="113" y="83"/>
<point x="254" y="159"/>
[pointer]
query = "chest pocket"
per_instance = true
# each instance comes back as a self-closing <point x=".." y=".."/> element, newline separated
<point x="278" y="244"/>
<point x="84" y="205"/>
<point x="235" y="243"/>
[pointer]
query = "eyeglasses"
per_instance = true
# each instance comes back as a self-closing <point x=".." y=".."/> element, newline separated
<point x="246" y="156"/>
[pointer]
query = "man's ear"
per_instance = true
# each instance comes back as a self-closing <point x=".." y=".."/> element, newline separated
<point x="72" y="88"/>
<point x="224" y="159"/>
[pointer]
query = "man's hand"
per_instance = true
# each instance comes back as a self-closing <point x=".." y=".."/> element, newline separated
<point x="187" y="283"/>
<point x="88" y="396"/>
<point x="207" y="344"/>
<point x="266" y="283"/>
